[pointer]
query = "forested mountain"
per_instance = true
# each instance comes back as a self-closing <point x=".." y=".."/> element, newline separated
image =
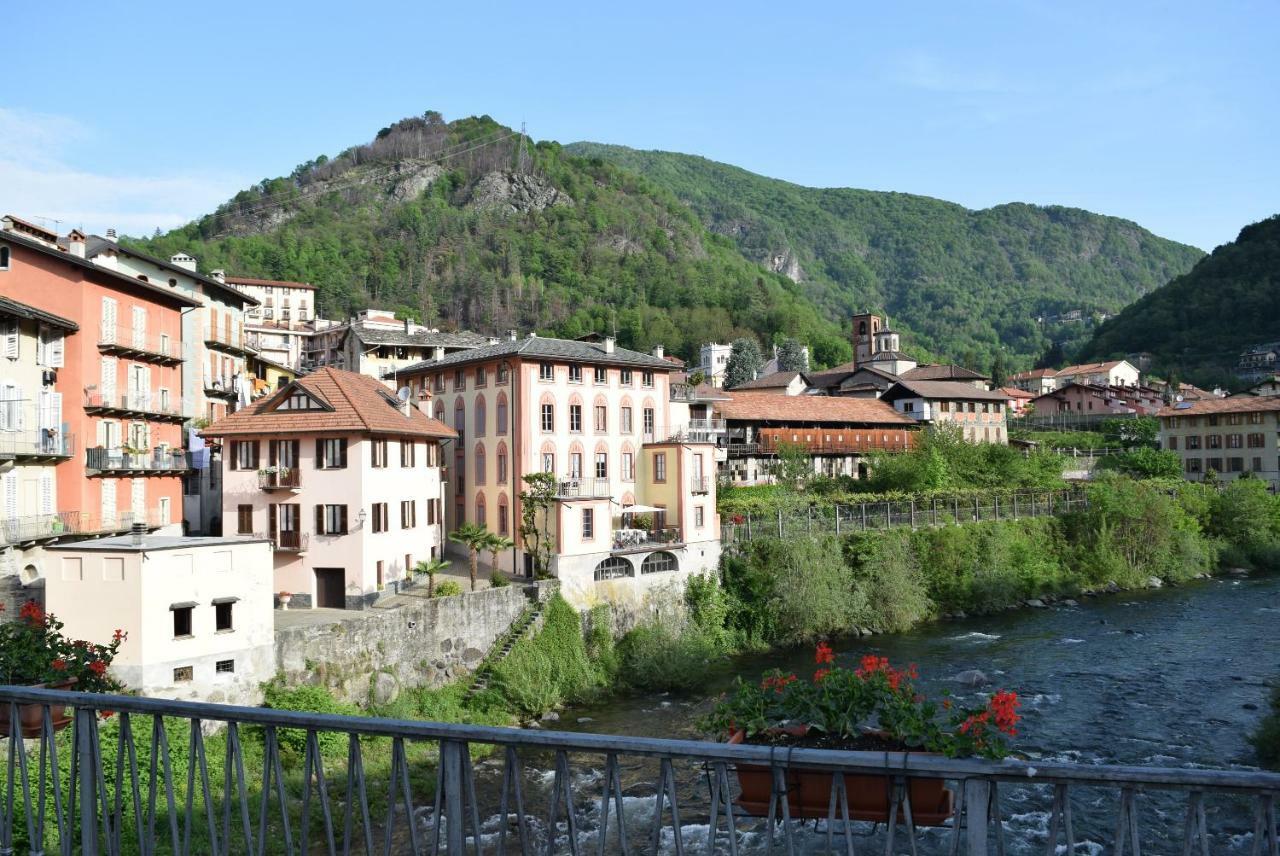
<point x="1198" y="324"/>
<point x="469" y="224"/>
<point x="961" y="280"/>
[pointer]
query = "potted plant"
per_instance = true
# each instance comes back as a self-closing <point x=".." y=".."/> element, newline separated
<point x="874" y="707"/>
<point x="35" y="653"/>
<point x="285" y="597"/>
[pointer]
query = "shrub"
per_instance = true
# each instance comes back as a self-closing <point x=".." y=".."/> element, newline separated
<point x="656" y="659"/>
<point x="312" y="699"/>
<point x="447" y="588"/>
<point x="809" y="590"/>
<point x="498" y="580"/>
<point x="890" y="585"/>
<point x="552" y="667"/>
<point x="1247" y="516"/>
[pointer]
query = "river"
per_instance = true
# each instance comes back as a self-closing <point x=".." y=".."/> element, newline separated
<point x="1174" y="677"/>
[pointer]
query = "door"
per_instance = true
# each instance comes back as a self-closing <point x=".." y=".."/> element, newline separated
<point x="331" y="588"/>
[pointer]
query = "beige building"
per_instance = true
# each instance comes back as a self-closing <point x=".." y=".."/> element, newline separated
<point x="197" y="611"/>
<point x="1230" y="436"/>
<point x="280" y="327"/>
<point x="377" y="344"/>
<point x="981" y="414"/>
<point x="1110" y="373"/>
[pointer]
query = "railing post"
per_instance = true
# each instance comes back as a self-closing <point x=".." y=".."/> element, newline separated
<point x="779" y="522"/>
<point x="837" y="521"/>
<point x="1015" y="505"/>
<point x="913" y="514"/>
<point x="87" y="768"/>
<point x="864" y="517"/>
<point x="451" y="752"/>
<point x="977" y="797"/>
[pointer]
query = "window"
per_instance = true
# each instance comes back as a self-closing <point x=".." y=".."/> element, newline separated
<point x="548" y="417"/>
<point x="408" y="514"/>
<point x="626" y="420"/>
<point x="481" y="517"/>
<point x="244" y="454"/>
<point x="408" y="453"/>
<point x="575" y="374"/>
<point x="1257" y="441"/>
<point x="224" y="667"/>
<point x="588" y="524"/>
<point x="1193" y="442"/>
<point x="4" y="258"/>
<point x="601" y="375"/>
<point x="480" y="417"/>
<point x="575" y="418"/>
<point x="378" y="450"/>
<point x="1214" y="464"/>
<point x="459" y="415"/>
<point x="646" y="377"/>
<point x="331" y="454"/>
<point x="602" y="418"/>
<point x="482" y="376"/>
<point x="299" y="401"/>
<point x="244" y="519"/>
<point x="548" y="462"/>
<point x="626" y="377"/>
<point x="660" y="466"/>
<point x="546" y="371"/>
<point x="1235" y="441"/>
<point x="602" y="465"/>
<point x="503" y="526"/>
<point x="1213" y="420"/>
<point x="628" y="467"/>
<point x="943" y="406"/>
<point x="658" y="563"/>
<point x="1235" y="465"/>
<point x="222" y="616"/>
<point x="613" y="568"/>
<point x="433" y="513"/>
<point x="459" y="380"/>
<point x="1235" y="418"/>
<point x="183" y="674"/>
<point x="502" y="373"/>
<point x="647" y="417"/>
<point x="379" y="517"/>
<point x="331" y="519"/>
<point x="439" y="382"/>
<point x="1257" y="465"/>
<point x="698" y="518"/>
<point x="1173" y="443"/>
<point x="181" y="621"/>
<point x="501" y="427"/>
<point x="1214" y="441"/>
<point x="575" y="465"/>
<point x="480" y="464"/>
<point x="502" y="467"/>
<point x="1255" y="418"/>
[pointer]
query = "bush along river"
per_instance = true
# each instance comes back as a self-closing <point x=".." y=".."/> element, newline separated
<point x="1169" y="678"/>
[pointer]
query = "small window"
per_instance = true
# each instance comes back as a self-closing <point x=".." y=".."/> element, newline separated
<point x="244" y="519"/>
<point x="482" y="376"/>
<point x="626" y="377"/>
<point x="698" y="516"/>
<point x="379" y="517"/>
<point x="331" y="454"/>
<point x="407" y="453"/>
<point x="459" y="380"/>
<point x="408" y="513"/>
<point x="224" y="667"/>
<point x="646" y="379"/>
<point x="660" y="466"/>
<point x="575" y="374"/>
<point x="588" y="524"/>
<point x="546" y="371"/>
<point x="183" y="674"/>
<point x="601" y="375"/>
<point x="379" y="450"/>
<point x="222" y="617"/>
<point x="4" y="258"/>
<point x="548" y="417"/>
<point x="182" y="622"/>
<point x="575" y="418"/>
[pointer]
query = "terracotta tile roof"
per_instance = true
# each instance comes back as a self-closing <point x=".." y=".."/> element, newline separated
<point x="1034" y="373"/>
<point x="933" y="371"/>
<point x="1085" y="368"/>
<point x="1014" y="392"/>
<point x="771" y="407"/>
<point x="360" y="404"/>
<point x="777" y="380"/>
<point x="1252" y="404"/>
<point x="269" y="283"/>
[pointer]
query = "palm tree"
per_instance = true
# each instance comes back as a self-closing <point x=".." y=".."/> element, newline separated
<point x="495" y="544"/>
<point x="430" y="568"/>
<point x="473" y="535"/>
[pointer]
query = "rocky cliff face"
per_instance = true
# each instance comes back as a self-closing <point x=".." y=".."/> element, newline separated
<point x="516" y="192"/>
<point x="786" y="263"/>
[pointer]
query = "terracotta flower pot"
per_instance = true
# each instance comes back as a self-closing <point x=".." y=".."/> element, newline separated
<point x="31" y="716"/>
<point x="869" y="797"/>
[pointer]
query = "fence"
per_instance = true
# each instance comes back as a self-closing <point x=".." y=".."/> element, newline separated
<point x="63" y="524"/>
<point x="294" y="782"/>
<point x="931" y="511"/>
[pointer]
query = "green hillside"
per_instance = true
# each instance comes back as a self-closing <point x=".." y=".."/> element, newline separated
<point x="963" y="281"/>
<point x="1199" y="323"/>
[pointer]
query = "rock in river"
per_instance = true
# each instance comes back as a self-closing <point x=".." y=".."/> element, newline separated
<point x="972" y="678"/>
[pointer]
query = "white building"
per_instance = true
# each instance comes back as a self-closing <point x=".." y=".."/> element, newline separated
<point x="1110" y="373"/>
<point x="198" y="611"/>
<point x="377" y="344"/>
<point x="713" y="359"/>
<point x="280" y="327"/>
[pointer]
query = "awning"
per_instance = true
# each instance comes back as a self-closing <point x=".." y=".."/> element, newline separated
<point x="639" y="509"/>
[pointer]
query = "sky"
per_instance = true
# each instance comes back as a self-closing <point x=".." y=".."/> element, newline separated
<point x="152" y="113"/>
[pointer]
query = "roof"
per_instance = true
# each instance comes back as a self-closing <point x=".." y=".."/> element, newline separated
<point x="542" y="348"/>
<point x="948" y="389"/>
<point x="21" y="310"/>
<point x="835" y="376"/>
<point x="777" y="380"/>
<point x="886" y="356"/>
<point x="124" y="543"/>
<point x="355" y="402"/>
<point x="119" y="277"/>
<point x="935" y="371"/>
<point x="1086" y="368"/>
<point x="771" y="407"/>
<point x="1014" y="392"/>
<point x="420" y="338"/>
<point x="1251" y="404"/>
<point x="96" y="244"/>
<point x="276" y="283"/>
<point x="1034" y="373"/>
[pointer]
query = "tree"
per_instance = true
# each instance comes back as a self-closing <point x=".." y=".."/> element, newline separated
<point x="793" y="467"/>
<point x="472" y="535"/>
<point x="792" y="356"/>
<point x="697" y="378"/>
<point x="430" y="567"/>
<point x="495" y="544"/>
<point x="1053" y="357"/>
<point x="745" y="360"/>
<point x="535" y="519"/>
<point x="998" y="372"/>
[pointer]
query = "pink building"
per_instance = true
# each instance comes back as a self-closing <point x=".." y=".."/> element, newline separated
<point x="343" y="477"/>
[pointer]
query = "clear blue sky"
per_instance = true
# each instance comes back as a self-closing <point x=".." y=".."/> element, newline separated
<point x="149" y="114"/>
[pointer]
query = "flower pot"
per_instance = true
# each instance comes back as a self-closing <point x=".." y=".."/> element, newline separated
<point x="285" y="600"/>
<point x="31" y="716"/>
<point x="869" y="797"/>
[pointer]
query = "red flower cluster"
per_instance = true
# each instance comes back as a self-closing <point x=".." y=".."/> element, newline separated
<point x="1004" y="706"/>
<point x="98" y="667"/>
<point x="119" y="635"/>
<point x="58" y="665"/>
<point x="820" y="675"/>
<point x="871" y="665"/>
<point x="824" y="655"/>
<point x="31" y="612"/>
<point x="777" y="683"/>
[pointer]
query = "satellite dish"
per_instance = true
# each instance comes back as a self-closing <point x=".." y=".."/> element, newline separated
<point x="1179" y="397"/>
<point x="403" y="393"/>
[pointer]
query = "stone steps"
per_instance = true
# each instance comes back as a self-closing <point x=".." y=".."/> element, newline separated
<point x="504" y="645"/>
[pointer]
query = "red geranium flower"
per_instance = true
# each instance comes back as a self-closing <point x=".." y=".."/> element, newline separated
<point x="98" y="667"/>
<point x="824" y="655"/>
<point x="58" y="665"/>
<point x="32" y="612"/>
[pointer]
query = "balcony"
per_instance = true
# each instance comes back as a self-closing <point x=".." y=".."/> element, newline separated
<point x="280" y="478"/>
<point x="638" y="540"/>
<point x="220" y="386"/>
<point x="73" y="524"/>
<point x="139" y="404"/>
<point x="580" y="488"/>
<point x="230" y="341"/>
<point x="287" y="540"/>
<point x="700" y="484"/>
<point x="137" y="345"/>
<point x="102" y="460"/>
<point x="45" y="444"/>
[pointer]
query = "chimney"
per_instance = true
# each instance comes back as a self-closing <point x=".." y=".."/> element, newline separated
<point x="658" y="351"/>
<point x="106" y="258"/>
<point x="512" y="334"/>
<point x="437" y="353"/>
<point x="408" y="326"/>
<point x="609" y="344"/>
<point x="136" y="534"/>
<point x="219" y="275"/>
<point x="493" y="340"/>
<point x="111" y="235"/>
<point x="75" y="243"/>
<point x="183" y="261"/>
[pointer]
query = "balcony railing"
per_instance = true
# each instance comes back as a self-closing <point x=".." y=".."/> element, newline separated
<point x="102" y="459"/>
<point x="701" y="484"/>
<point x="144" y="404"/>
<point x="282" y="478"/>
<point x="226" y="340"/>
<point x="65" y="524"/>
<point x="640" y="539"/>
<point x="41" y="443"/>
<point x="220" y="385"/>
<point x="582" y="488"/>
<point x="693" y="431"/>
<point x="105" y="801"/>
<point x="290" y="540"/>
<point x="136" y="344"/>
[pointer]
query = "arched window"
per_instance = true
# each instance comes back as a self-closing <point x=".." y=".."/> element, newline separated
<point x="502" y="413"/>
<point x="862" y="328"/>
<point x="659" y="562"/>
<point x="459" y="415"/>
<point x="480" y="464"/>
<point x="481" y="518"/>
<point x="612" y="568"/>
<point x="480" y="417"/>
<point x="504" y="523"/>
<point x="440" y="411"/>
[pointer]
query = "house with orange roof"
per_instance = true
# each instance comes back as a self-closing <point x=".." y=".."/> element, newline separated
<point x="1231" y="437"/>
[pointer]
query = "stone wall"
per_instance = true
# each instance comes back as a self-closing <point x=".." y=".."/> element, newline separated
<point x="423" y="642"/>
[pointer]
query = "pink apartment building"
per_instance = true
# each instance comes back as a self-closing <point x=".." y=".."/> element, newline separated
<point x="345" y="480"/>
<point x="635" y="499"/>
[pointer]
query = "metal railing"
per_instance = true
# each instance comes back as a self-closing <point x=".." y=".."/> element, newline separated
<point x="290" y="540"/>
<point x="144" y="403"/>
<point x="126" y="340"/>
<point x="582" y="488"/>
<point x="926" y="511"/>
<point x="41" y="443"/>
<point x="62" y="524"/>
<point x="219" y="336"/>
<point x="769" y="446"/>
<point x="701" y="484"/>
<point x="220" y="384"/>
<point x="285" y="478"/>
<point x="639" y="539"/>
<point x="156" y="778"/>
<point x="117" y="459"/>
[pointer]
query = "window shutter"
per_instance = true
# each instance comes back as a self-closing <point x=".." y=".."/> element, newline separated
<point x="19" y="412"/>
<point x="271" y="452"/>
<point x="46" y="493"/>
<point x="342" y="445"/>
<point x="342" y="519"/>
<point x="319" y="454"/>
<point x="256" y="458"/>
<point x="57" y="349"/>
<point x="271" y="520"/>
<point x="11" y="338"/>
<point x="320" y="519"/>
